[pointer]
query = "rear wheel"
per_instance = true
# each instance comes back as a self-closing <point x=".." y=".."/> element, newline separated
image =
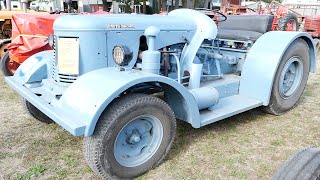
<point x="35" y="112"/>
<point x="290" y="79"/>
<point x="288" y="22"/>
<point x="303" y="165"/>
<point x="132" y="136"/>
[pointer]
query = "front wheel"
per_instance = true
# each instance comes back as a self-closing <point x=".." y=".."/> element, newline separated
<point x="35" y="112"/>
<point x="290" y="79"/>
<point x="132" y="136"/>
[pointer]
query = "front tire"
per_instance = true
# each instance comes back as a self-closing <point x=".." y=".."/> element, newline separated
<point x="290" y="79"/>
<point x="35" y="112"/>
<point x="132" y="136"/>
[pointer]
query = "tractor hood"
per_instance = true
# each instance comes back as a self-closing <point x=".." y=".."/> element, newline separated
<point x="87" y="41"/>
<point x="122" y="22"/>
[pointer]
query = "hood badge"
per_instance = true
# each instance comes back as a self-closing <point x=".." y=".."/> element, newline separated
<point x="120" y="26"/>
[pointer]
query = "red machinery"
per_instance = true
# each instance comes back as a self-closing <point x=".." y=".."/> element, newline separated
<point x="284" y="18"/>
<point x="29" y="35"/>
<point x="312" y="26"/>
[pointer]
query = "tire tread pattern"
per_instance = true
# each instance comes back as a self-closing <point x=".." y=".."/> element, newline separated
<point x="35" y="113"/>
<point x="275" y="107"/>
<point x="303" y="165"/>
<point x="283" y="21"/>
<point x="116" y="108"/>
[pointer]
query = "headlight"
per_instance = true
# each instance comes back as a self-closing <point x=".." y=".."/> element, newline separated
<point x="122" y="55"/>
<point x="51" y="40"/>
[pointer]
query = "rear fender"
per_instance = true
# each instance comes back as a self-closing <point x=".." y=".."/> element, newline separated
<point x="92" y="92"/>
<point x="263" y="59"/>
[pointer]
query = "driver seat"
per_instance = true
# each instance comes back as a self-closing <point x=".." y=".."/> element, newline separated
<point x="245" y="27"/>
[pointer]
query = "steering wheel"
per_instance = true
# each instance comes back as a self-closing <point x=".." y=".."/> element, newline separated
<point x="214" y="12"/>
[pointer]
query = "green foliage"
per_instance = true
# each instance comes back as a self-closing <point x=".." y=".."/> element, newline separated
<point x="32" y="172"/>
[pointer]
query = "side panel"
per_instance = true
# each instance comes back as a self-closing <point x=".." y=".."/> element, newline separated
<point x="92" y="93"/>
<point x="92" y="46"/>
<point x="263" y="60"/>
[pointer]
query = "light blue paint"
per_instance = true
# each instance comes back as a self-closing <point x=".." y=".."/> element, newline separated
<point x="205" y="30"/>
<point x="35" y="68"/>
<point x="89" y="99"/>
<point x="241" y="78"/>
<point x="63" y="117"/>
<point x="262" y="63"/>
<point x="97" y="40"/>
<point x="138" y="141"/>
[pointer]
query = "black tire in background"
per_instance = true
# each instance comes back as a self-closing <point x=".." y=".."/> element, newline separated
<point x="280" y="103"/>
<point x="284" y="21"/>
<point x="99" y="148"/>
<point x="303" y="165"/>
<point x="4" y="64"/>
<point x="35" y="112"/>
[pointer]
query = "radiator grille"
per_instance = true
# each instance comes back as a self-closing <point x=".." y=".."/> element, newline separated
<point x="58" y="77"/>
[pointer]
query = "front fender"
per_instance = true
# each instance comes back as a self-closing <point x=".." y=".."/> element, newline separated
<point x="263" y="59"/>
<point x="35" y="68"/>
<point x="90" y="95"/>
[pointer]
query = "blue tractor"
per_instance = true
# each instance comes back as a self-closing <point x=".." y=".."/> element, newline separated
<point x="121" y="81"/>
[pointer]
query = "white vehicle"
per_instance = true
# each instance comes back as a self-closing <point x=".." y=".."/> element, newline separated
<point x="58" y="5"/>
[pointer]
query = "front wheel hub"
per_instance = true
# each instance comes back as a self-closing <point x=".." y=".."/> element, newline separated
<point x="134" y="138"/>
<point x="138" y="140"/>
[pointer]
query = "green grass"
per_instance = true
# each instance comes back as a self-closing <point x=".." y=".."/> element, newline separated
<point x="33" y="171"/>
<point x="251" y="145"/>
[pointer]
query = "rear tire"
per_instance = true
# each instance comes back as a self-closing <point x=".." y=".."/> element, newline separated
<point x="290" y="79"/>
<point x="303" y="165"/>
<point x="35" y="112"/>
<point x="132" y="136"/>
<point x="288" y="22"/>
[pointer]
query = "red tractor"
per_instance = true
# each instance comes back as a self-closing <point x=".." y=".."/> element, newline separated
<point x="312" y="26"/>
<point x="284" y="18"/>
